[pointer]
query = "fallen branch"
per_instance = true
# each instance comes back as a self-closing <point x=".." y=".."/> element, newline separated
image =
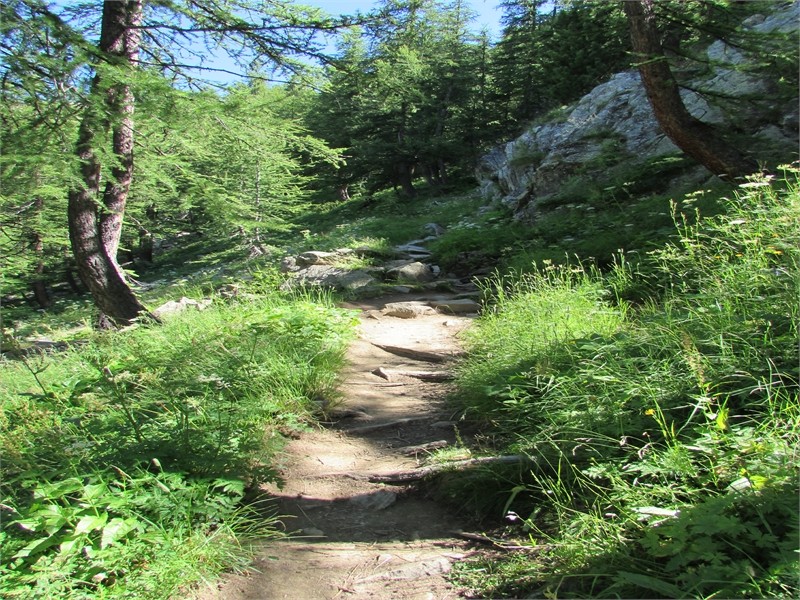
<point x="436" y="376"/>
<point x="401" y="477"/>
<point x="387" y="425"/>
<point x="476" y="537"/>
<point x="414" y="450"/>
<point x="420" y="355"/>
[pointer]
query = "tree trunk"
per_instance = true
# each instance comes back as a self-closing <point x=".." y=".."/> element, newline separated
<point x="697" y="139"/>
<point x="38" y="285"/>
<point x="404" y="178"/>
<point x="95" y="230"/>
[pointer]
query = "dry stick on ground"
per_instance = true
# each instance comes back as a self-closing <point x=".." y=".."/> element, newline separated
<point x="390" y="424"/>
<point x="388" y="374"/>
<point x="414" y="450"/>
<point x="401" y="477"/>
<point x="420" y="355"/>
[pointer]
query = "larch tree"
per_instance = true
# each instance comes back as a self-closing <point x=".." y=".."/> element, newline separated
<point x="95" y="227"/>
<point x="697" y="139"/>
<point x="157" y="35"/>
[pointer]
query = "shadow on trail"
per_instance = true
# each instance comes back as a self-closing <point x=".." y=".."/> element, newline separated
<point x="349" y="536"/>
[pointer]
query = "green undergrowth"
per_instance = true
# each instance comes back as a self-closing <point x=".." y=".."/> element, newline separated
<point x="383" y="219"/>
<point x="663" y="434"/>
<point x="127" y="458"/>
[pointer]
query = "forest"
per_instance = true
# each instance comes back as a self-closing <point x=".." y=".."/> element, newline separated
<point x="638" y="338"/>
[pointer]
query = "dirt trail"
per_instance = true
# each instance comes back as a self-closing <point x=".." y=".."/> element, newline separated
<point x="352" y="538"/>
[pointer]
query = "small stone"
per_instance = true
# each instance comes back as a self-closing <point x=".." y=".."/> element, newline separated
<point x="377" y="500"/>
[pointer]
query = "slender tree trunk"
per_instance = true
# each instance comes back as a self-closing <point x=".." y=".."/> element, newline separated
<point x="38" y="284"/>
<point x="697" y="139"/>
<point x="95" y="230"/>
<point x="404" y="177"/>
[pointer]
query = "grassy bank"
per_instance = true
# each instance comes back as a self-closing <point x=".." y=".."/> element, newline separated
<point x="664" y="432"/>
<point x="126" y="457"/>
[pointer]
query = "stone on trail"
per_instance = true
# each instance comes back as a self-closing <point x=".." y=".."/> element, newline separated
<point x="377" y="500"/>
<point x="407" y="310"/>
<point x="463" y="305"/>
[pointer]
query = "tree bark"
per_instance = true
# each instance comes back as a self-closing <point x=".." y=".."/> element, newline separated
<point x="95" y="220"/>
<point x="39" y="285"/>
<point x="697" y="139"/>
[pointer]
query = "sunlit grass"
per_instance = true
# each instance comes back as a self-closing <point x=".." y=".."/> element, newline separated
<point x="664" y="434"/>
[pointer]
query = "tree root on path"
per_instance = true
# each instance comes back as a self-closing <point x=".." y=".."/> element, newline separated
<point x="420" y="355"/>
<point x="402" y="477"/>
<point x="435" y="376"/>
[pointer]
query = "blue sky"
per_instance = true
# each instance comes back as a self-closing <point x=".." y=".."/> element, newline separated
<point x="488" y="13"/>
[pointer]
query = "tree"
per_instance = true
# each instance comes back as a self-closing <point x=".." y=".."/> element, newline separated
<point x="697" y="139"/>
<point x="401" y="98"/>
<point x="134" y="38"/>
<point x="95" y="229"/>
<point x="37" y="86"/>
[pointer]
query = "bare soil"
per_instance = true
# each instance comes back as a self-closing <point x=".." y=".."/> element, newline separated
<point x="351" y="538"/>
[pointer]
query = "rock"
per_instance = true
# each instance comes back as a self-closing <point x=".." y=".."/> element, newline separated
<point x="312" y="532"/>
<point x="415" y="272"/>
<point x="175" y="306"/>
<point x="407" y="310"/>
<point x="463" y="305"/>
<point x="327" y="276"/>
<point x="289" y="265"/>
<point x="316" y="257"/>
<point x="377" y="500"/>
<point x="412" y="249"/>
<point x="433" y="229"/>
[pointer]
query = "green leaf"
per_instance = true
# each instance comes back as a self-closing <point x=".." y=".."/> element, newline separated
<point x="36" y="547"/>
<point x="647" y="582"/>
<point x="90" y="523"/>
<point x="53" y="491"/>
<point x="116" y="529"/>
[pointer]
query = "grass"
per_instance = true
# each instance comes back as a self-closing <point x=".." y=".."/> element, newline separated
<point x="126" y="459"/>
<point x="664" y="433"/>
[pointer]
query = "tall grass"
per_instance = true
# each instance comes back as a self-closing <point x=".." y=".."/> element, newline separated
<point x="665" y="436"/>
<point x="126" y="460"/>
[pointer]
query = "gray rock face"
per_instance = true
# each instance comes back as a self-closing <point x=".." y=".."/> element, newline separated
<point x="615" y="122"/>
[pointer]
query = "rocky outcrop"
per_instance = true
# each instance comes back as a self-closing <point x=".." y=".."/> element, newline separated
<point x="614" y="124"/>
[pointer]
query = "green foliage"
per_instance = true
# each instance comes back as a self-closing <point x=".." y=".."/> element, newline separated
<point x="664" y="436"/>
<point x="547" y="59"/>
<point x="125" y="459"/>
<point x="83" y="536"/>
